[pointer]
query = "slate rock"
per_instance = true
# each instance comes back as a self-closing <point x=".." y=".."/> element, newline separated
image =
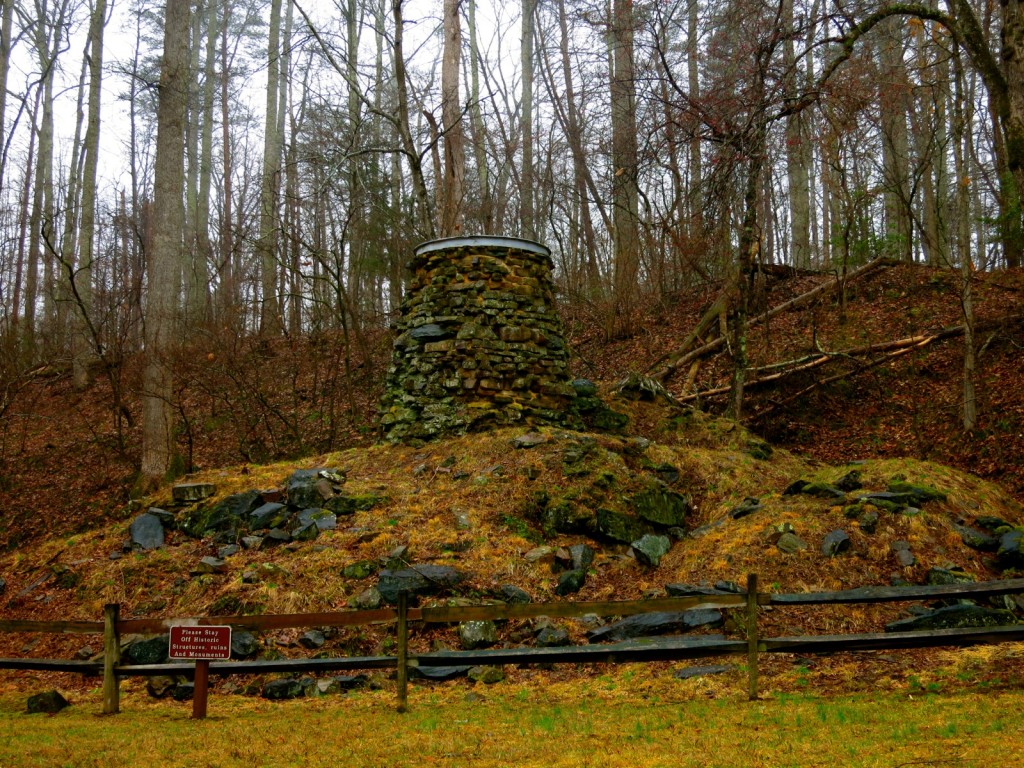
<point x="570" y="582"/>
<point x="691" y="590"/>
<point x="510" y="593"/>
<point x="417" y="580"/>
<point x="146" y="531"/>
<point x="818" y="489"/>
<point x="730" y="587"/>
<point x="651" y="548"/>
<point x="667" y="473"/>
<point x="229" y="550"/>
<point x="439" y="673"/>
<point x="954" y="617"/>
<point x="992" y="524"/>
<point x="368" y="600"/>
<point x="49" y="702"/>
<point x="324" y="519"/>
<point x="151" y="650"/>
<point x="868" y="521"/>
<point x="313" y="639"/>
<point x="584" y="387"/>
<point x="160" y="686"/>
<point x="540" y="554"/>
<point x="252" y="542"/>
<point x="184" y="691"/>
<point x="361" y="569"/>
<point x="905" y="558"/>
<point x="276" y="537"/>
<point x="1010" y="554"/>
<point x="429" y="332"/>
<point x="940" y="576"/>
<point x="619" y="526"/>
<point x="244" y="644"/>
<point x="850" y="481"/>
<point x="659" y="623"/>
<point x="747" y="507"/>
<point x="917" y="493"/>
<point x="187" y="493"/>
<point x="279" y="690"/>
<point x="686" y="673"/>
<point x="835" y="543"/>
<point x="529" y="440"/>
<point x="790" y="543"/>
<point x="474" y="635"/>
<point x="975" y="539"/>
<point x="328" y="686"/>
<point x="581" y="556"/>
<point x="486" y="675"/>
<point x="210" y="564"/>
<point x="553" y="637"/>
<point x="269" y="515"/>
<point x="306" y="488"/>
<point x="166" y="518"/>
<point x="351" y="682"/>
<point x="661" y="506"/>
<point x="306" y="532"/>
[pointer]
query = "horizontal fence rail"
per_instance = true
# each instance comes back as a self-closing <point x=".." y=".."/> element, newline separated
<point x="670" y="648"/>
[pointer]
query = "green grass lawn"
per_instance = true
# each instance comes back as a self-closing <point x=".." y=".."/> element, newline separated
<point x="518" y="726"/>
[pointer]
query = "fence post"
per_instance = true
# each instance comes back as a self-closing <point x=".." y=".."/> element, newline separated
<point x="752" y="639"/>
<point x="403" y="651"/>
<point x="111" y="659"/>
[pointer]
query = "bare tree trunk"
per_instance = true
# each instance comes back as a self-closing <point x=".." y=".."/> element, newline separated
<point x="229" y="279"/>
<point x="6" y="27"/>
<point x="451" y="119"/>
<point x="158" y="443"/>
<point x="477" y="125"/>
<point x="696" y="163"/>
<point x="798" y="154"/>
<point x="202" y="309"/>
<point x="625" y="198"/>
<point x="526" y="175"/>
<point x="84" y="338"/>
<point x="895" y="144"/>
<point x="267" y="245"/>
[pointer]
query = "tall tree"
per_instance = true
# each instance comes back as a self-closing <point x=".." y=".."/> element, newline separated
<point x="452" y="185"/>
<point x="158" y="439"/>
<point x="267" y="245"/>
<point x="526" y="174"/>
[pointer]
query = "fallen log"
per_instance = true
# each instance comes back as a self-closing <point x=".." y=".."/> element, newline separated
<point x="683" y="356"/>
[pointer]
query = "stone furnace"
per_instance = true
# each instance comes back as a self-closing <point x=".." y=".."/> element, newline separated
<point x="479" y="342"/>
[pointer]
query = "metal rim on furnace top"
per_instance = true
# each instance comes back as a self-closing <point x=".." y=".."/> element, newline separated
<point x="482" y="241"/>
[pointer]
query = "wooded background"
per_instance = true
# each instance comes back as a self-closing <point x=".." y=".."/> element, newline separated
<point x="652" y="145"/>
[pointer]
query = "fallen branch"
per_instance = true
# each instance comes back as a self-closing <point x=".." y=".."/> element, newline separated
<point x="889" y="349"/>
<point x="682" y="357"/>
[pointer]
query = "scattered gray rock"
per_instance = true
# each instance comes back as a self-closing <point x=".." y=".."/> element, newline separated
<point x="486" y="675"/>
<point x="692" y="590"/>
<point x="313" y="639"/>
<point x="992" y="524"/>
<point x="229" y="550"/>
<point x="188" y="493"/>
<point x="651" y="548"/>
<point x="327" y="686"/>
<point x="323" y="519"/>
<point x="790" y="543"/>
<point x="150" y="650"/>
<point x="50" y="703"/>
<point x="351" y="682"/>
<point x="976" y="539"/>
<point x="361" y="569"/>
<point x="954" y="617"/>
<point x="868" y="521"/>
<point x="687" y="673"/>
<point x="529" y="440"/>
<point x="462" y="520"/>
<point x="269" y="515"/>
<point x="85" y="653"/>
<point x="306" y="532"/>
<point x="368" y="600"/>
<point x="818" y="489"/>
<point x="940" y="576"/>
<point x="748" y="506"/>
<point x="552" y="637"/>
<point x="905" y="558"/>
<point x="581" y="556"/>
<point x="166" y="518"/>
<point x="660" y="623"/>
<point x="850" y="481"/>
<point x="183" y="691"/>
<point x="417" y="580"/>
<point x="252" y="542"/>
<point x="244" y="644"/>
<point x="276" y="537"/>
<point x="539" y="554"/>
<point x="661" y="506"/>
<point x="916" y="494"/>
<point x="510" y="593"/>
<point x="210" y="564"/>
<point x="620" y="527"/>
<point x="835" y="543"/>
<point x="146" y="531"/>
<point x="279" y="690"/>
<point x="584" y="388"/>
<point x="474" y="635"/>
<point x="160" y="686"/>
<point x="439" y="673"/>
<point x="570" y="582"/>
<point x="1010" y="554"/>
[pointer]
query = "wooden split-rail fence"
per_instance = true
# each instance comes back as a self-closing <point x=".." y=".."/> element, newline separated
<point x="674" y="648"/>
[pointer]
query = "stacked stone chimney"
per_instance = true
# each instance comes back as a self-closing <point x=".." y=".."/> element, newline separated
<point x="479" y="342"/>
